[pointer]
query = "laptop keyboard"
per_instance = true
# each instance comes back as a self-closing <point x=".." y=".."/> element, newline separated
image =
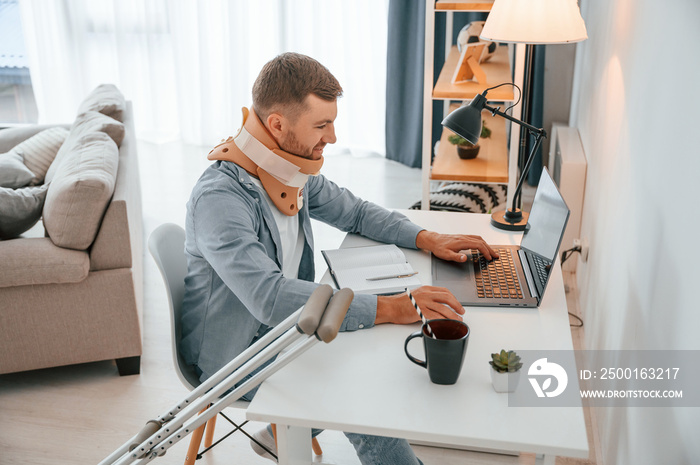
<point x="497" y="278"/>
<point x="542" y="267"/>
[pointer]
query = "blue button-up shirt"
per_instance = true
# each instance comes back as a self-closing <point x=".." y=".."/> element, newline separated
<point x="234" y="289"/>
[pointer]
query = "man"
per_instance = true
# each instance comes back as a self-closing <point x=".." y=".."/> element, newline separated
<point x="249" y="242"/>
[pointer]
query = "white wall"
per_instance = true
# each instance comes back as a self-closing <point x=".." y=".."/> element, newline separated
<point x="636" y="103"/>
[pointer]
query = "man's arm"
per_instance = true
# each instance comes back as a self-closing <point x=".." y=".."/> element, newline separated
<point x="434" y="302"/>
<point x="342" y="209"/>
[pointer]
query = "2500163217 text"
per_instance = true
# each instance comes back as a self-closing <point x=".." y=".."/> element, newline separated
<point x="631" y="373"/>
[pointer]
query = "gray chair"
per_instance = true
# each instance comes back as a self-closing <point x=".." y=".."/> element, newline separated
<point x="167" y="246"/>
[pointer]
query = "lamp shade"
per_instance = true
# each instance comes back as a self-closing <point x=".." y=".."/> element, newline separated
<point x="535" y="22"/>
<point x="466" y="121"/>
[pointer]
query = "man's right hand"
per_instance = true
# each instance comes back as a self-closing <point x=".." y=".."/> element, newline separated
<point x="434" y="302"/>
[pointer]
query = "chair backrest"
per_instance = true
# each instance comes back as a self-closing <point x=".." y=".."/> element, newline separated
<point x="167" y="246"/>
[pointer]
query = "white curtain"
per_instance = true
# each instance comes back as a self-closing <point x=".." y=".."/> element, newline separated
<point x="189" y="66"/>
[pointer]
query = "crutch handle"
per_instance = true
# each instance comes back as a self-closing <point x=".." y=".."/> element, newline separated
<point x="333" y="316"/>
<point x="313" y="309"/>
<point x="146" y="432"/>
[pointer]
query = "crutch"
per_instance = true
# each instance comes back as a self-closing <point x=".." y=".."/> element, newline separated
<point x="318" y="320"/>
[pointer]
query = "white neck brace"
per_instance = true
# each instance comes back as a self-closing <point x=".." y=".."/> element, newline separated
<point x="283" y="174"/>
<point x="284" y="171"/>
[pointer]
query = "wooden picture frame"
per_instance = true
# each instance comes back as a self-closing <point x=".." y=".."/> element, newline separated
<point x="468" y="68"/>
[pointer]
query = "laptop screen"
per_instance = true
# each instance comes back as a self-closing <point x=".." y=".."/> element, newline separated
<point x="547" y="221"/>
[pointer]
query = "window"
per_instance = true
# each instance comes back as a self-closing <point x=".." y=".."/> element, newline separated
<point x="17" y="104"/>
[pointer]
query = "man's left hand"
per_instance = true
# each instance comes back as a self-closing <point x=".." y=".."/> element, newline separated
<point x="450" y="246"/>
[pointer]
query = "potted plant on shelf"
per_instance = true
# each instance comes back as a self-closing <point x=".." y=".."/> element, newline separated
<point x="505" y="373"/>
<point x="465" y="149"/>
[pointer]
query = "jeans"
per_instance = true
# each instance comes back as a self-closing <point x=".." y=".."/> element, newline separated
<point x="377" y="450"/>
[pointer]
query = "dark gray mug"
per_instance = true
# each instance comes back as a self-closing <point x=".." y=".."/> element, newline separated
<point x="444" y="354"/>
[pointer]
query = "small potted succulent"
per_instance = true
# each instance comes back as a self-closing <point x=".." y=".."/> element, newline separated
<point x="505" y="372"/>
<point x="465" y="149"/>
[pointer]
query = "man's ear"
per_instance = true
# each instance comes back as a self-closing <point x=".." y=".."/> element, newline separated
<point x="277" y="125"/>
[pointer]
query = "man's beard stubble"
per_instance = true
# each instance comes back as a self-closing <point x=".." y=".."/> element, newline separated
<point x="292" y="145"/>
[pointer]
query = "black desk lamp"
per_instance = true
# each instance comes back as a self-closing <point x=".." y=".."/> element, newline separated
<point x="519" y="22"/>
<point x="466" y="121"/>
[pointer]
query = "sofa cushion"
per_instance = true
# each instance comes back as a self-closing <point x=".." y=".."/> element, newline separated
<point x="13" y="172"/>
<point x="40" y="150"/>
<point x="11" y="137"/>
<point x="105" y="99"/>
<point x="86" y="123"/>
<point x="20" y="209"/>
<point x="36" y="260"/>
<point x="80" y="191"/>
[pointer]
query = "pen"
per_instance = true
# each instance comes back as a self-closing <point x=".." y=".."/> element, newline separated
<point x="392" y="276"/>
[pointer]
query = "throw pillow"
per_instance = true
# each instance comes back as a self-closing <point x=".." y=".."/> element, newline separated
<point x="84" y="124"/>
<point x="40" y="150"/>
<point x="20" y="209"/>
<point x="13" y="173"/>
<point x="105" y="99"/>
<point x="80" y="191"/>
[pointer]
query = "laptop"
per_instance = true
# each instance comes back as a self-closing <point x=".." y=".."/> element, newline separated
<point x="519" y="277"/>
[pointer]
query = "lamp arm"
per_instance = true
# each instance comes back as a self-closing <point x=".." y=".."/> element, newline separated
<point x="539" y="133"/>
<point x="534" y="130"/>
<point x="526" y="169"/>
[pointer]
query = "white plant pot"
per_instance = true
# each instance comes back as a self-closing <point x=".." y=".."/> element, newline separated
<point x="502" y="382"/>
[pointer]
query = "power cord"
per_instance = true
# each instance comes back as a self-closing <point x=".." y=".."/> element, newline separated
<point x="520" y="93"/>
<point x="579" y="325"/>
<point x="565" y="255"/>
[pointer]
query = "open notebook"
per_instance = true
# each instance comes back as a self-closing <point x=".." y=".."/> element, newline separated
<point x="377" y="269"/>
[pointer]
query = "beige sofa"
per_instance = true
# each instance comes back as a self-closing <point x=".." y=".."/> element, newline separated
<point x="64" y="300"/>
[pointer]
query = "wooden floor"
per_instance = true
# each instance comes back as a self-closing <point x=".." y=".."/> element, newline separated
<point x="80" y="414"/>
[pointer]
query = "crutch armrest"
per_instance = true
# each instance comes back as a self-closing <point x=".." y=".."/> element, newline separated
<point x="146" y="432"/>
<point x="313" y="309"/>
<point x="334" y="315"/>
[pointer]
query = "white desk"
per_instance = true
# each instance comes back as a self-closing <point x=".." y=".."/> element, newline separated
<point x="362" y="381"/>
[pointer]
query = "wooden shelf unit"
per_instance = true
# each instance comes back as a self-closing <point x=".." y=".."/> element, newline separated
<point x="497" y="70"/>
<point x="447" y="5"/>
<point x="496" y="160"/>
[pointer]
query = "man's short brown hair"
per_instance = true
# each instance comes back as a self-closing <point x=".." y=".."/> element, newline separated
<point x="285" y="81"/>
